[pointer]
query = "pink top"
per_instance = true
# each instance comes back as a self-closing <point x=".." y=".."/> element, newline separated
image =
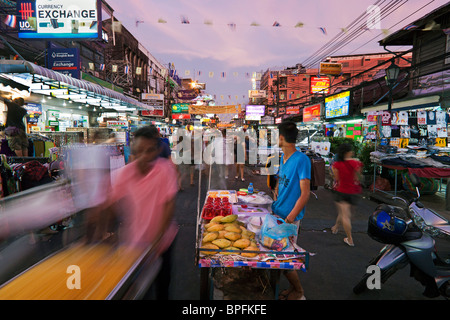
<point x="144" y="198"/>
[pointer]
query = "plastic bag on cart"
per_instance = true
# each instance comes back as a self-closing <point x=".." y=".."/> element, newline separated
<point x="275" y="232"/>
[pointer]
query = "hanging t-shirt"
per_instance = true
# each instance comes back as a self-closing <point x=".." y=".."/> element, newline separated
<point x="431" y="117"/>
<point x="296" y="168"/>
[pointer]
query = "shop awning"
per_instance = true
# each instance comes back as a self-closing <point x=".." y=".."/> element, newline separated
<point x="48" y="82"/>
<point x="415" y="103"/>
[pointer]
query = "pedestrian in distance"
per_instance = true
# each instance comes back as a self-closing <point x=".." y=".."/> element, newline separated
<point x="292" y="194"/>
<point x="240" y="156"/>
<point x="347" y="174"/>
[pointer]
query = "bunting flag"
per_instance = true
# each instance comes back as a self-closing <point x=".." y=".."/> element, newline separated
<point x="126" y="69"/>
<point x="11" y="21"/>
<point x="102" y="67"/>
<point x="211" y="74"/>
<point x="271" y="75"/>
<point x="235" y="74"/>
<point x="299" y="25"/>
<point x="247" y="75"/>
<point x="187" y="72"/>
<point x="324" y="31"/>
<point x="344" y="30"/>
<point x="199" y="73"/>
<point x="223" y="74"/>
<point x="276" y="24"/>
<point x="232" y="26"/>
<point x="184" y="20"/>
<point x="254" y="24"/>
<point x="385" y="31"/>
<point x="161" y="20"/>
<point x="208" y="22"/>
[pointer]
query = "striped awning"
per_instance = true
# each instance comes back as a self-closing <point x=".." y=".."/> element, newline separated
<point x="46" y="81"/>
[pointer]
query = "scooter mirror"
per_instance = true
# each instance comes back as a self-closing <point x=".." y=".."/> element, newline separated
<point x="415" y="180"/>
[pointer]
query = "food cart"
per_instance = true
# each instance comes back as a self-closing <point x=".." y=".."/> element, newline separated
<point x="229" y="235"/>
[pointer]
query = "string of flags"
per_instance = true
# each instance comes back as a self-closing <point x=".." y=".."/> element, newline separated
<point x="211" y="74"/>
<point x="233" y="26"/>
<point x="321" y="29"/>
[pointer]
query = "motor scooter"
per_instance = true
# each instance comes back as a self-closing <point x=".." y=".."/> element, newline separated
<point x="411" y="234"/>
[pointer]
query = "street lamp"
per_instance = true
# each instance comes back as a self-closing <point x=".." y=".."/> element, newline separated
<point x="392" y="73"/>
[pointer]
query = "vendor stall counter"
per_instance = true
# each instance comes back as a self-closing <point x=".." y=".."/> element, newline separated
<point x="229" y="235"/>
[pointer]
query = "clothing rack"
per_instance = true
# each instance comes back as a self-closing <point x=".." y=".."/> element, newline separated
<point x="27" y="159"/>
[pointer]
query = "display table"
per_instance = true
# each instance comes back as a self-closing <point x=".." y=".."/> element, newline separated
<point x="292" y="257"/>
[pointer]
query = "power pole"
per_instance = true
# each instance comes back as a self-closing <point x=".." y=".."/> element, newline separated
<point x="278" y="93"/>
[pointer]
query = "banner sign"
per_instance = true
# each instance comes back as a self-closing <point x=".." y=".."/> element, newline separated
<point x="319" y="85"/>
<point x="293" y="110"/>
<point x="181" y="116"/>
<point x="333" y="69"/>
<point x="180" y="108"/>
<point x="311" y="113"/>
<point x="58" y="19"/>
<point x="257" y="93"/>
<point x="64" y="60"/>
<point x="337" y="105"/>
<point x="187" y="94"/>
<point x="255" y="110"/>
<point x="156" y="101"/>
<point x="193" y="109"/>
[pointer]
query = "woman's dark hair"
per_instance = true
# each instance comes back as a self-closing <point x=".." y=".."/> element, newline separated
<point x="289" y="131"/>
<point x="342" y="150"/>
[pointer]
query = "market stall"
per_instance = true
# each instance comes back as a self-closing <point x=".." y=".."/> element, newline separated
<point x="430" y="162"/>
<point x="236" y="229"/>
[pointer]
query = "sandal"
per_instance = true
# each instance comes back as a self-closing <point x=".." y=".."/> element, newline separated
<point x="347" y="242"/>
<point x="334" y="231"/>
<point x="284" y="294"/>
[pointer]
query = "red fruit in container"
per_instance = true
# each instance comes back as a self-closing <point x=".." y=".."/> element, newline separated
<point x="208" y="211"/>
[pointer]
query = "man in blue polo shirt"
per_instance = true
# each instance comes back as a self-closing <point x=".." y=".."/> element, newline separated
<point x="293" y="191"/>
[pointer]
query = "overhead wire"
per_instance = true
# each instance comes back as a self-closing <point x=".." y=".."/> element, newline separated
<point x="357" y="30"/>
<point x="394" y="25"/>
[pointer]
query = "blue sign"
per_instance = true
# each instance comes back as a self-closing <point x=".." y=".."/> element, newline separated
<point x="65" y="61"/>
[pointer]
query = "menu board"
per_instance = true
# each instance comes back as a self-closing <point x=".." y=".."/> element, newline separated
<point x="337" y="105"/>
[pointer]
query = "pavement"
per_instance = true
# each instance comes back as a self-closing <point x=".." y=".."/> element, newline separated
<point x="334" y="267"/>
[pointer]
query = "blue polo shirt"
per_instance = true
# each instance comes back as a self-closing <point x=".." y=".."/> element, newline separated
<point x="296" y="168"/>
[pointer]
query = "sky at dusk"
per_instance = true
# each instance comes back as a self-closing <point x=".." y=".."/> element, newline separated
<point x="219" y="37"/>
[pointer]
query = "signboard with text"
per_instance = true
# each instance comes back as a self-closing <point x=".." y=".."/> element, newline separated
<point x="156" y="101"/>
<point x="332" y="69"/>
<point x="319" y="85"/>
<point x="311" y="113"/>
<point x="293" y="110"/>
<point x="58" y="19"/>
<point x="65" y="61"/>
<point x="337" y="105"/>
